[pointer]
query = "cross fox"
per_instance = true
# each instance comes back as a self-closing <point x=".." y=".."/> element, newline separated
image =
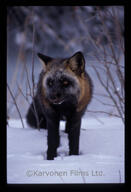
<point x="63" y="92"/>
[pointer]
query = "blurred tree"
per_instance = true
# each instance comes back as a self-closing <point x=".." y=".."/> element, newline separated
<point x="63" y="29"/>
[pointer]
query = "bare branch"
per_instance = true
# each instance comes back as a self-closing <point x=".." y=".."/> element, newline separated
<point x="33" y="51"/>
<point x="107" y="58"/>
<point x="15" y="104"/>
<point x="111" y="114"/>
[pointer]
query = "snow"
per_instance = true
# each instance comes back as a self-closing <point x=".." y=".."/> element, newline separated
<point x="101" y="158"/>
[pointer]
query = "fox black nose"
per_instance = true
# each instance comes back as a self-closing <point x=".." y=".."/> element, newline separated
<point x="56" y="95"/>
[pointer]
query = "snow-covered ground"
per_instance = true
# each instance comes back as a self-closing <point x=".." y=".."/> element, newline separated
<point x="101" y="158"/>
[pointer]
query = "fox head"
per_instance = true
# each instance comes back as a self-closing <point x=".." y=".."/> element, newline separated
<point x="61" y="79"/>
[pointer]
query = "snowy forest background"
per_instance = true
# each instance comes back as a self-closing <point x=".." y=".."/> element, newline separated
<point x="60" y="31"/>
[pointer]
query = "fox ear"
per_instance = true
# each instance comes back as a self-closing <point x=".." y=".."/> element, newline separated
<point x="77" y="63"/>
<point x="44" y="59"/>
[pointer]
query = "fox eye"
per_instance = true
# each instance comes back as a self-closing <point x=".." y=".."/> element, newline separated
<point x="50" y="82"/>
<point x="65" y="83"/>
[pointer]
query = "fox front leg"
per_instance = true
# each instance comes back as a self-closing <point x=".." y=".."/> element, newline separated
<point x="73" y="129"/>
<point x="53" y="138"/>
